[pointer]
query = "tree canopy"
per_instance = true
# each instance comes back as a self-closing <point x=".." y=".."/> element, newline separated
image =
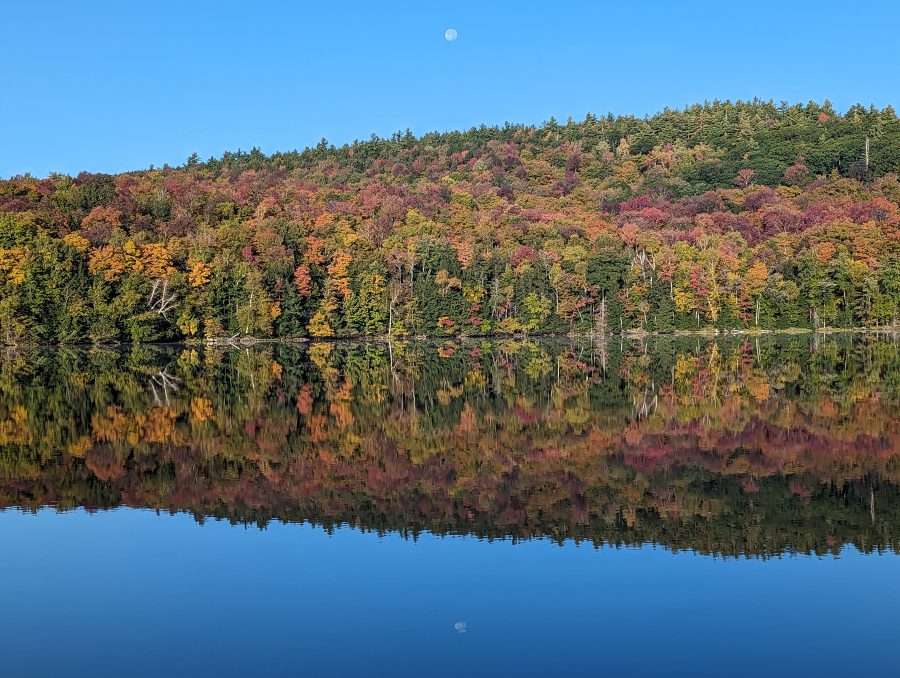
<point x="725" y="215"/>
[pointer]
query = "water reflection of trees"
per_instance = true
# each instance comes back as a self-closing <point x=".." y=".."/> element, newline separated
<point x="734" y="447"/>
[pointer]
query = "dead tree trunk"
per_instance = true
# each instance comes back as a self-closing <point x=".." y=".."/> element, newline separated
<point x="161" y="301"/>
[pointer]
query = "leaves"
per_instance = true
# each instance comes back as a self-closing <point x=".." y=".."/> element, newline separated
<point x="727" y="215"/>
<point x="303" y="280"/>
<point x="108" y="262"/>
<point x="199" y="273"/>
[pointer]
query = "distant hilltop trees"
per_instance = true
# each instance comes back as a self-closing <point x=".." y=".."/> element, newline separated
<point x="723" y="215"/>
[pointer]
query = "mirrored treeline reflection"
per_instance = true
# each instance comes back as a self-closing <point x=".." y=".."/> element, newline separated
<point x="739" y="446"/>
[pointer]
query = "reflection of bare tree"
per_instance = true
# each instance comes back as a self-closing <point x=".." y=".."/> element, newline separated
<point x="164" y="382"/>
<point x="247" y="353"/>
<point x="394" y="378"/>
<point x="10" y="351"/>
<point x="601" y="342"/>
<point x="646" y="403"/>
<point x="226" y="342"/>
<point x="599" y="319"/>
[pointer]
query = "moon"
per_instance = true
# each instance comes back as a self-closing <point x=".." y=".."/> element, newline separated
<point x="450" y="35"/>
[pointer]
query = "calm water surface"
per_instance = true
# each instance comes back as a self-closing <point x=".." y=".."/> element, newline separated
<point x="671" y="507"/>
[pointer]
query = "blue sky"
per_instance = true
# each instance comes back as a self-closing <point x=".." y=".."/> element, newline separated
<point x="111" y="86"/>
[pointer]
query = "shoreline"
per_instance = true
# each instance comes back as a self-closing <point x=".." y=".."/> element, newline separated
<point x="248" y="341"/>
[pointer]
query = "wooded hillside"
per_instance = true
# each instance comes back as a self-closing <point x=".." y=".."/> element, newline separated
<point x="721" y="215"/>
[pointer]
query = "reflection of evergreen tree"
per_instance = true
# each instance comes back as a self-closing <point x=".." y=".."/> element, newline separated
<point x="735" y="447"/>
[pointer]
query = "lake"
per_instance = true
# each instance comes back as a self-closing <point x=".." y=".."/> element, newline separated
<point x="667" y="506"/>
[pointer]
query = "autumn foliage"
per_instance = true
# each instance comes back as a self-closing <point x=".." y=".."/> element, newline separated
<point x="725" y="215"/>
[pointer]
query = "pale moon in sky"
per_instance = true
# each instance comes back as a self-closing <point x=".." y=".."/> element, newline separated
<point x="450" y="35"/>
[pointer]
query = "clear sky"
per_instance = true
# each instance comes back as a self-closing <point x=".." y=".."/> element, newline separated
<point x="111" y="86"/>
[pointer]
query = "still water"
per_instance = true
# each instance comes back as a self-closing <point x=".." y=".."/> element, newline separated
<point x="665" y="507"/>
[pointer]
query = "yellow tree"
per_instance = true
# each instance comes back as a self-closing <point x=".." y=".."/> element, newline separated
<point x="156" y="260"/>
<point x="107" y="261"/>
<point x="339" y="273"/>
<point x="199" y="273"/>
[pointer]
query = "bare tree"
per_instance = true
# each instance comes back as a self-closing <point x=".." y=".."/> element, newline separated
<point x="161" y="300"/>
<point x="395" y="290"/>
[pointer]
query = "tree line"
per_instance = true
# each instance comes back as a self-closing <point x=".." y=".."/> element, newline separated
<point x="723" y="215"/>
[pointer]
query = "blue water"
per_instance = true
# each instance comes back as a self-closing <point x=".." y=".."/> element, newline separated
<point x="132" y="593"/>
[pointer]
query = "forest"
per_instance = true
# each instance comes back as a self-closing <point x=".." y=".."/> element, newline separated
<point x="725" y="215"/>
<point x="738" y="447"/>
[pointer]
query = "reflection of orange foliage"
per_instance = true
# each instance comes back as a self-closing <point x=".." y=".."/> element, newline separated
<point x="275" y="369"/>
<point x="159" y="425"/>
<point x="632" y="436"/>
<point x="104" y="464"/>
<point x="201" y="410"/>
<point x="115" y="426"/>
<point x="446" y="395"/>
<point x="467" y="420"/>
<point x="318" y="428"/>
<point x="79" y="447"/>
<point x="109" y="426"/>
<point x="446" y="351"/>
<point x="343" y="417"/>
<point x="758" y="386"/>
<point x="798" y="488"/>
<point x="827" y="409"/>
<point x="304" y="400"/>
<point x="15" y="430"/>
